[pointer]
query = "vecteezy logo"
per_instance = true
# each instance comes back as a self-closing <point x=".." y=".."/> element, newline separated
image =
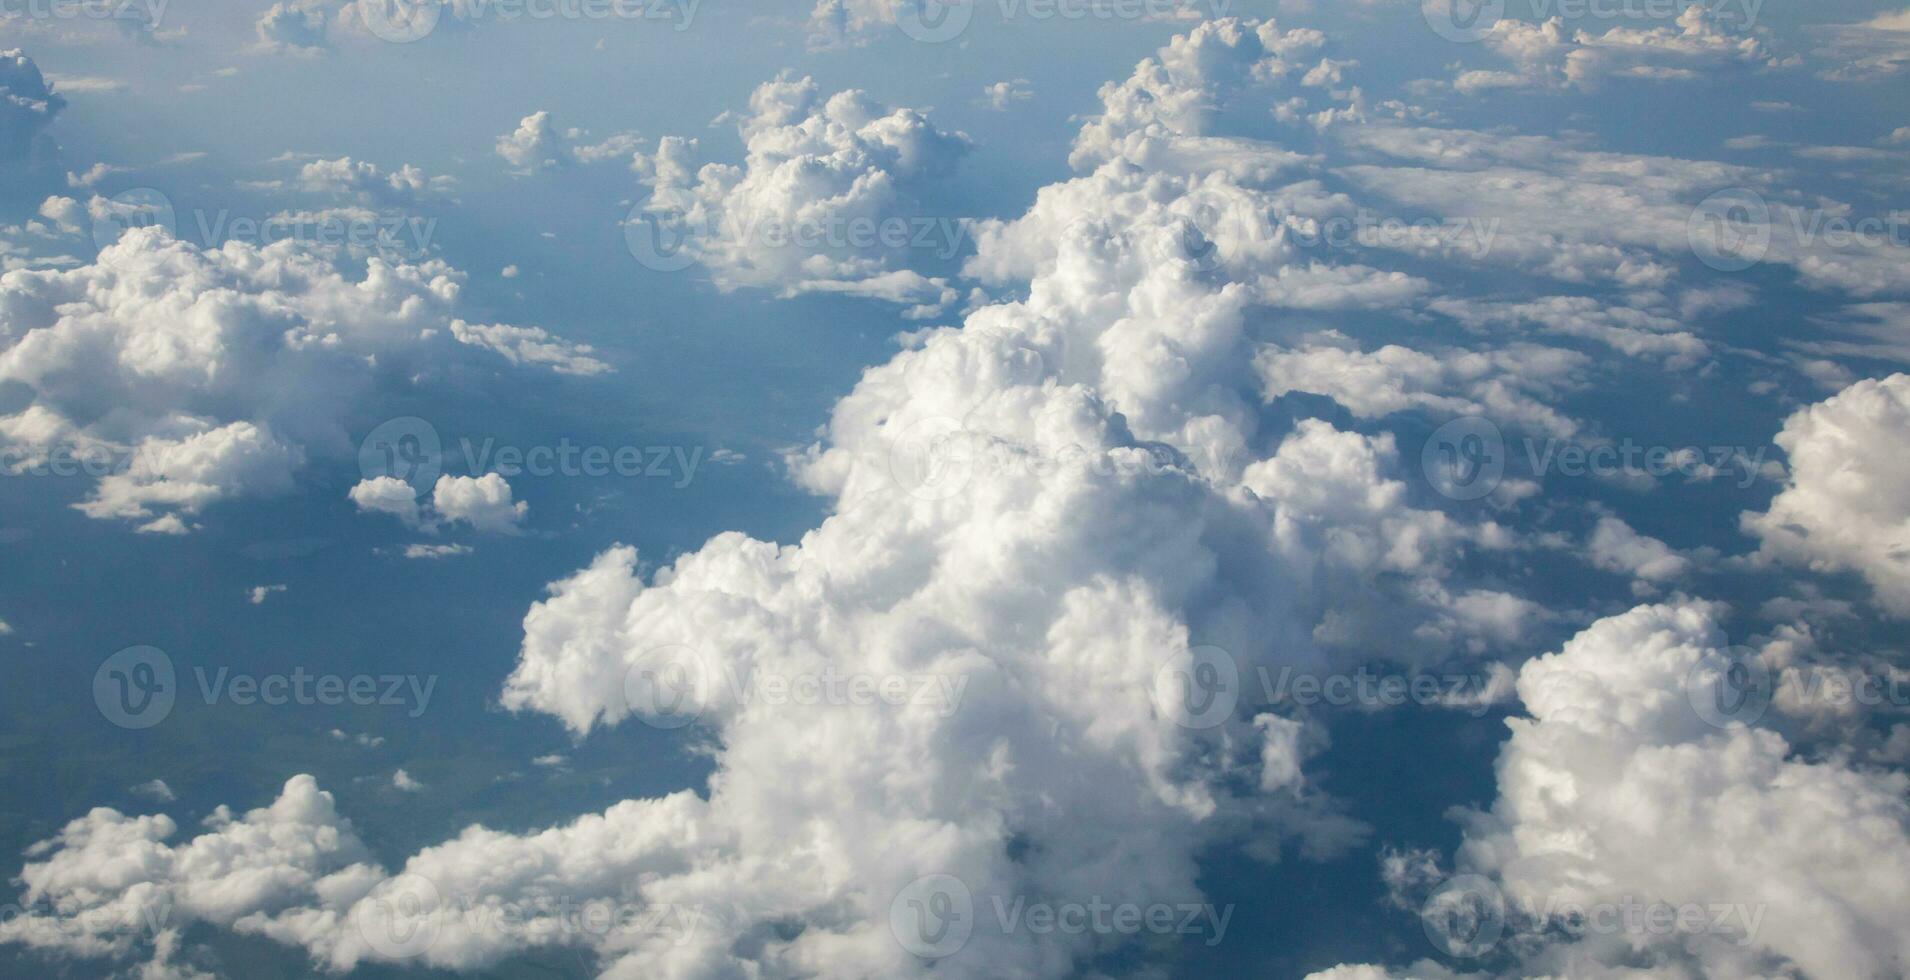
<point x="1196" y="237"/>
<point x="135" y="688"/>
<point x="401" y="918"/>
<point x="934" y="21"/>
<point x="1464" y="916"/>
<point x="1736" y="689"/>
<point x="401" y="21"/>
<point x="1731" y="230"/>
<point x="1198" y="687"/>
<point x="1465" y="458"/>
<point x="405" y="448"/>
<point x="668" y="686"/>
<point x="659" y="238"/>
<point x="1462" y="21"/>
<point x="139" y="207"/>
<point x="933" y="916"/>
<point x="933" y="458"/>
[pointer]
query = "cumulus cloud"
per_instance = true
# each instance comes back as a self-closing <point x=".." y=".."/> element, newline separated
<point x="193" y="375"/>
<point x="1040" y="523"/>
<point x="1549" y="57"/>
<point x="367" y="182"/>
<point x="1000" y="95"/>
<point x="536" y="144"/>
<point x="387" y="495"/>
<point x="1616" y="547"/>
<point x="294" y="27"/>
<point x="483" y="502"/>
<point x="1846" y="505"/>
<point x="1618" y="789"/>
<point x="825" y="200"/>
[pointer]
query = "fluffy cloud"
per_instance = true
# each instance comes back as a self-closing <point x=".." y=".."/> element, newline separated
<point x="482" y="502"/>
<point x="195" y="375"/>
<point x="1042" y="524"/>
<point x="824" y="201"/>
<point x="1547" y="56"/>
<point x="1617" y="789"/>
<point x="295" y="26"/>
<point x="536" y="144"/>
<point x="1511" y="385"/>
<point x="1847" y="504"/>
<point x="346" y="177"/>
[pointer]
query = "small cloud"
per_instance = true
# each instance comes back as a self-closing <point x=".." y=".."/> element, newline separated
<point x="368" y="741"/>
<point x="155" y="790"/>
<point x="553" y="759"/>
<point x="437" y="550"/>
<point x="403" y="781"/>
<point x="5" y="630"/>
<point x="510" y="272"/>
<point x="1001" y="95"/>
<point x="259" y="593"/>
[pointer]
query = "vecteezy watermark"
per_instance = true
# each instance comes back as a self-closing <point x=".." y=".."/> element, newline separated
<point x="145" y="13"/>
<point x="672" y="686"/>
<point x="1367" y="688"/>
<point x="1739" y="687"/>
<point x="934" y="916"/>
<point x="937" y="457"/>
<point x="1465" y="459"/>
<point x="1468" y="916"/>
<point x="409" y="449"/>
<point x="1733" y="229"/>
<point x="404" y="916"/>
<point x="1469" y="21"/>
<point x="405" y="21"/>
<point x="137" y="688"/>
<point x="1216" y="227"/>
<point x="669" y="240"/>
<point x="936" y="21"/>
<point x="1198" y="687"/>
<point x="391" y="234"/>
<point x="119" y="918"/>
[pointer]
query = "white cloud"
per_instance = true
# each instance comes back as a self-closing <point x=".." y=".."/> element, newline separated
<point x="530" y="345"/>
<point x="1512" y="385"/>
<point x="196" y="375"/>
<point x="1615" y="547"/>
<point x="482" y="502"/>
<point x="387" y="495"/>
<point x="156" y="790"/>
<point x="1847" y="503"/>
<point x="1000" y="95"/>
<point x="824" y="201"/>
<point x="437" y="550"/>
<point x="1549" y="57"/>
<point x="365" y="181"/>
<point x="259" y="593"/>
<point x="1869" y="51"/>
<point x="1617" y="789"/>
<point x="403" y="780"/>
<point x="536" y="144"/>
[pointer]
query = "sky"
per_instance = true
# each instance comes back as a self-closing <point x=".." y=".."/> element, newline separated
<point x="1012" y="488"/>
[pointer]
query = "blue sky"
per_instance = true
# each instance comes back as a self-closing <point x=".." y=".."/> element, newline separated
<point x="1046" y="489"/>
